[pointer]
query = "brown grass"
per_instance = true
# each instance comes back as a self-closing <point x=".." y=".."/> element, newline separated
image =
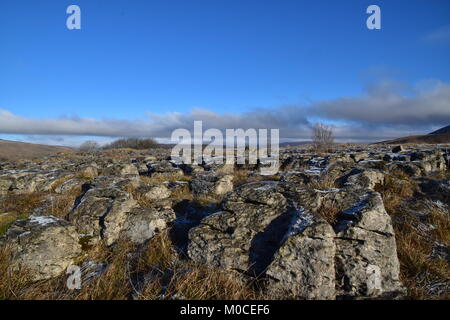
<point x="182" y="193"/>
<point x="13" y="150"/>
<point x="329" y="210"/>
<point x="414" y="245"/>
<point x="21" y="203"/>
<point x="323" y="183"/>
<point x="205" y="283"/>
<point x="188" y="280"/>
<point x="166" y="178"/>
<point x="240" y="177"/>
<point x="60" y="181"/>
<point x="17" y="206"/>
<point x="11" y="282"/>
<point x="174" y="277"/>
<point x="159" y="253"/>
<point x="395" y="188"/>
<point x="418" y="270"/>
<point x="115" y="283"/>
<point x="62" y="205"/>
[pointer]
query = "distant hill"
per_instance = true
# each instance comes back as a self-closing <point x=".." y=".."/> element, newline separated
<point x="442" y="130"/>
<point x="13" y="150"/>
<point x="439" y="136"/>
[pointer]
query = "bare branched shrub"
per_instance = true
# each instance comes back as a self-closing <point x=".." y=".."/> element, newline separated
<point x="89" y="146"/>
<point x="322" y="138"/>
<point x="133" y="143"/>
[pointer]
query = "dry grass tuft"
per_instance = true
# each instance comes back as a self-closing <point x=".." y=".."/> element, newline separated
<point x="159" y="253"/>
<point x="182" y="279"/>
<point x="240" y="177"/>
<point x="60" y="181"/>
<point x="115" y="283"/>
<point x="182" y="193"/>
<point x="21" y="203"/>
<point x="418" y="270"/>
<point x="396" y="188"/>
<point x="17" y="206"/>
<point x="62" y="204"/>
<point x="418" y="226"/>
<point x="324" y="182"/>
<point x="329" y="210"/>
<point x="208" y="199"/>
<point x="12" y="283"/>
<point x="167" y="177"/>
<point x="204" y="283"/>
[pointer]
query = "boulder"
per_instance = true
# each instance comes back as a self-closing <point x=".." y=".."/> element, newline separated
<point x="5" y="184"/>
<point x="294" y="162"/>
<point x="44" y="245"/>
<point x="429" y="161"/>
<point x="164" y="169"/>
<point x="70" y="185"/>
<point x="88" y="172"/>
<point x="363" y="179"/>
<point x="295" y="180"/>
<point x="211" y="183"/>
<point x="359" y="156"/>
<point x="398" y="149"/>
<point x="124" y="183"/>
<point x="142" y="224"/>
<point x="154" y="191"/>
<point x="303" y="267"/>
<point x="353" y="258"/>
<point x="38" y="181"/>
<point x="120" y="169"/>
<point x="366" y="256"/>
<point x="246" y="234"/>
<point x="101" y="213"/>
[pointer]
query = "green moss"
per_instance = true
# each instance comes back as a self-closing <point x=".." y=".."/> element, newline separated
<point x="7" y="219"/>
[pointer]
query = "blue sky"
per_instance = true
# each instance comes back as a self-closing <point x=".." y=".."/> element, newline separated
<point x="132" y="59"/>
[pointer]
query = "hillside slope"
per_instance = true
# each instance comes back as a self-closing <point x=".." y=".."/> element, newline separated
<point x="13" y="150"/>
<point x="422" y="139"/>
<point x="442" y="130"/>
<point x="441" y="135"/>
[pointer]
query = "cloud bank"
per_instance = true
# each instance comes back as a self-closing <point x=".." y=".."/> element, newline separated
<point x="440" y="35"/>
<point x="387" y="109"/>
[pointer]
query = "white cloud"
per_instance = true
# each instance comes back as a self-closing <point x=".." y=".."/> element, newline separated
<point x="387" y="110"/>
<point x="440" y="35"/>
<point x="391" y="104"/>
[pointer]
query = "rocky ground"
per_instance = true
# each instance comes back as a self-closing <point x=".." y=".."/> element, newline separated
<point x="365" y="222"/>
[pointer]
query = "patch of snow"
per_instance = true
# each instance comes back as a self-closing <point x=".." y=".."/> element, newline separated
<point x="358" y="207"/>
<point x="313" y="171"/>
<point x="265" y="187"/>
<point x="300" y="221"/>
<point x="369" y="161"/>
<point x="268" y="184"/>
<point x="43" y="221"/>
<point x="440" y="205"/>
<point x="328" y="190"/>
<point x="292" y="172"/>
